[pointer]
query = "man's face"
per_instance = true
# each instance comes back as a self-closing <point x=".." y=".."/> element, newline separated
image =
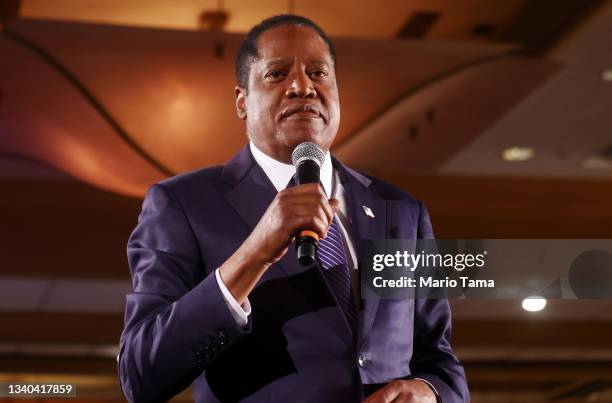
<point x="292" y="95"/>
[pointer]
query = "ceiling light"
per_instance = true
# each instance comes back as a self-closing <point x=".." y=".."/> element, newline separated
<point x="534" y="304"/>
<point x="517" y="154"/>
<point x="606" y="75"/>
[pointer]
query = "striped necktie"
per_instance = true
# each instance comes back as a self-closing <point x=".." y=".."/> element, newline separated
<point x="331" y="257"/>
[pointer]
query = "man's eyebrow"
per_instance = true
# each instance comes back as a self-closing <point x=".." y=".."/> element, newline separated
<point x="319" y="62"/>
<point x="276" y="62"/>
<point x="284" y="62"/>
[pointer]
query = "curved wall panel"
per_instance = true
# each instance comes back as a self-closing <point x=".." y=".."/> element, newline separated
<point x="44" y="116"/>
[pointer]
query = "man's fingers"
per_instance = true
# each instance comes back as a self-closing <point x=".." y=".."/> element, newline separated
<point x="394" y="392"/>
<point x="318" y="199"/>
<point x="305" y="188"/>
<point x="306" y="207"/>
<point x="385" y="395"/>
<point x="390" y="394"/>
<point x="329" y="211"/>
<point x="317" y="223"/>
<point x="334" y="204"/>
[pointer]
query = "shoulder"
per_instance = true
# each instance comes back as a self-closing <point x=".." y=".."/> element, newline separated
<point x="383" y="189"/>
<point x="403" y="205"/>
<point x="200" y="177"/>
<point x="391" y="192"/>
<point x="188" y="184"/>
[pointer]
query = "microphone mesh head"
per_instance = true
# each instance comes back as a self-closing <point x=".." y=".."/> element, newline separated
<point x="307" y="151"/>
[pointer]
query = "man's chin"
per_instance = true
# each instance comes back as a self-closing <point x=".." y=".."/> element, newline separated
<point x="294" y="138"/>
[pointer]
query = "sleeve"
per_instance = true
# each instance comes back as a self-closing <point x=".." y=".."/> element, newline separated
<point x="176" y="319"/>
<point x="239" y="313"/>
<point x="433" y="360"/>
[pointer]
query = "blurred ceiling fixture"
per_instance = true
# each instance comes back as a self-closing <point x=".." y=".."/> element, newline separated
<point x="534" y="303"/>
<point x="606" y="75"/>
<point x="484" y="30"/>
<point x="599" y="161"/>
<point x="418" y="25"/>
<point x="213" y="20"/>
<point x="515" y="154"/>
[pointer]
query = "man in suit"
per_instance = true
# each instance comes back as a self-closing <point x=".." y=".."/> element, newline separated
<point x="219" y="298"/>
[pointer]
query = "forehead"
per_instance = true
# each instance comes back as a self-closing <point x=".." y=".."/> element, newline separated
<point x="292" y="41"/>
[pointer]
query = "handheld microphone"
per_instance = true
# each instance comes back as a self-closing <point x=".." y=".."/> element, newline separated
<point x="307" y="159"/>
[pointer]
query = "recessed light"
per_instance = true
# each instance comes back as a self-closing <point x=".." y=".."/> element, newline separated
<point x="534" y="304"/>
<point x="517" y="154"/>
<point x="606" y="75"/>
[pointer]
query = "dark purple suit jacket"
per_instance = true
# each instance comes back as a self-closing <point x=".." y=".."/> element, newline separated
<point x="297" y="346"/>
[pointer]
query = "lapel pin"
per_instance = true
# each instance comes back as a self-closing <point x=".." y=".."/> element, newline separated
<point x="368" y="212"/>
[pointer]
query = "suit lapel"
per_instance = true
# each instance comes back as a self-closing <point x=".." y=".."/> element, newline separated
<point x="363" y="227"/>
<point x="252" y="191"/>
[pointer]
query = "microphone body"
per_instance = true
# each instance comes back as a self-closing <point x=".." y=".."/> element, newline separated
<point x="307" y="159"/>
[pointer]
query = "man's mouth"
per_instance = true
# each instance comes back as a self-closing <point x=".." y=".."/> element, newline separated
<point x="305" y="112"/>
<point x="304" y="115"/>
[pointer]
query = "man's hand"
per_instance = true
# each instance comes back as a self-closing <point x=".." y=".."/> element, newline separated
<point x="410" y="391"/>
<point x="299" y="207"/>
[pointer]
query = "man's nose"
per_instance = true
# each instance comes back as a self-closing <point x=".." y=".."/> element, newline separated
<point x="301" y="86"/>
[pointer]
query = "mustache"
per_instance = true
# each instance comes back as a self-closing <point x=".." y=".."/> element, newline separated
<point x="303" y="108"/>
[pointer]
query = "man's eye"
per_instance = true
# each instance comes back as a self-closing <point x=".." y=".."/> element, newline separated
<point x="274" y="74"/>
<point x="318" y="74"/>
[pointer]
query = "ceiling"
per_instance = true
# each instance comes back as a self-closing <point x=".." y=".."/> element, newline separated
<point x="100" y="99"/>
<point x="356" y="21"/>
<point x="127" y="114"/>
<point x="567" y="120"/>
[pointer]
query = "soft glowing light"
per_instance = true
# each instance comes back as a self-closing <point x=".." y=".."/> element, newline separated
<point x="518" y="154"/>
<point x="534" y="304"/>
<point x="606" y="75"/>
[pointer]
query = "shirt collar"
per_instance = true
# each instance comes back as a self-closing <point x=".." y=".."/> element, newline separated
<point x="280" y="173"/>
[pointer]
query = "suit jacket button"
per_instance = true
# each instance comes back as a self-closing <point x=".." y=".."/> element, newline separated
<point x="221" y="339"/>
<point x="362" y="360"/>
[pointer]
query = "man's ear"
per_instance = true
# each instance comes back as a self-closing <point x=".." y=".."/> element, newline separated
<point x="241" y="110"/>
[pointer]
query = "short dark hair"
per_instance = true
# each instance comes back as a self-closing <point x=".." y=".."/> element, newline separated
<point x="248" y="51"/>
